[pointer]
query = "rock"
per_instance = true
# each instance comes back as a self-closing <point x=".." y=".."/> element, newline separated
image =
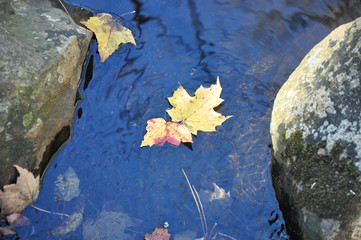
<point x="41" y="59"/>
<point x="316" y="137"/>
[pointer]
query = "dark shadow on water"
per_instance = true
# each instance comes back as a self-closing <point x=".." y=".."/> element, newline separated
<point x="59" y="140"/>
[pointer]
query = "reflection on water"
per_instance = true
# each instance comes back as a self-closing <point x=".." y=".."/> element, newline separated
<point x="126" y="190"/>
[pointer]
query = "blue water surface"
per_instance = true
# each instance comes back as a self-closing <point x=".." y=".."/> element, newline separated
<point x="126" y="191"/>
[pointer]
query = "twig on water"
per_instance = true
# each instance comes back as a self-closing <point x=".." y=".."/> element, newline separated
<point x="43" y="210"/>
<point x="212" y="231"/>
<point x="201" y="214"/>
<point x="127" y="13"/>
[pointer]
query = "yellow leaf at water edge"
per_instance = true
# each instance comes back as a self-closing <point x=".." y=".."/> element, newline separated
<point x="159" y="131"/>
<point x="16" y="197"/>
<point x="197" y="112"/>
<point x="109" y="32"/>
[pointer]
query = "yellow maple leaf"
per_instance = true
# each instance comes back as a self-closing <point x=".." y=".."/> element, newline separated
<point x="197" y="112"/>
<point x="109" y="32"/>
<point x="159" y="131"/>
<point x="16" y="197"/>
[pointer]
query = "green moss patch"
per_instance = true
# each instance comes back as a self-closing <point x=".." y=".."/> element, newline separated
<point x="327" y="185"/>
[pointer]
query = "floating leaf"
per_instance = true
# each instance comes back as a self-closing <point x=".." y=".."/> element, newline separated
<point x="16" y="197"/>
<point x="158" y="234"/>
<point x="160" y="131"/>
<point x="197" y="112"/>
<point x="109" y="32"/>
<point x="189" y="115"/>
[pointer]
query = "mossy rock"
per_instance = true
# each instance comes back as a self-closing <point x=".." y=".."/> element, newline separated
<point x="40" y="68"/>
<point x="316" y="138"/>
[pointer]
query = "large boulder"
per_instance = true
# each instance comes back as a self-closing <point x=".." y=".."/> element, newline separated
<point x="316" y="138"/>
<point x="41" y="57"/>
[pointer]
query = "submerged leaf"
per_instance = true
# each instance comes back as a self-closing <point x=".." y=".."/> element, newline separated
<point x="71" y="223"/>
<point x="67" y="185"/>
<point x="218" y="193"/>
<point x="160" y="131"/>
<point x="109" y="32"/>
<point x="197" y="112"/>
<point x="16" y="197"/>
<point x="108" y="225"/>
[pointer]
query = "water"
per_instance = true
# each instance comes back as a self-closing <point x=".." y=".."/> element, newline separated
<point x="126" y="191"/>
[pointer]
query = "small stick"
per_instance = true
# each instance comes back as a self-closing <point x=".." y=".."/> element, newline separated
<point x="127" y="13"/>
<point x="116" y="19"/>
<point x="195" y="199"/>
<point x="210" y="235"/>
<point x="200" y="203"/>
<point x="40" y="209"/>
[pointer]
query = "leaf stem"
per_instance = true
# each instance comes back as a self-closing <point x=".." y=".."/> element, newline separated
<point x="127" y="13"/>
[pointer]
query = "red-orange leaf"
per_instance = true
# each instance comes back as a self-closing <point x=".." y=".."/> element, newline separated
<point x="160" y="131"/>
<point x="158" y="234"/>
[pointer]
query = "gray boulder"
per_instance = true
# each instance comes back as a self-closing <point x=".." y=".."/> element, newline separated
<point x="41" y="59"/>
<point x="316" y="138"/>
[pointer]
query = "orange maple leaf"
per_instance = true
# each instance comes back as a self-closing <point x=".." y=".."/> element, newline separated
<point x="158" y="234"/>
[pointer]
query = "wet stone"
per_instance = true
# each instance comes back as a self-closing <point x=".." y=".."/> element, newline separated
<point x="40" y="68"/>
<point x="316" y="137"/>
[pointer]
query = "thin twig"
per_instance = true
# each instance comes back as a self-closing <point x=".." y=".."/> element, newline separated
<point x="195" y="199"/>
<point x="210" y="234"/>
<point x="127" y="13"/>
<point x="66" y="10"/>
<point x="204" y="216"/>
<point x="40" y="209"/>
<point x="119" y="16"/>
